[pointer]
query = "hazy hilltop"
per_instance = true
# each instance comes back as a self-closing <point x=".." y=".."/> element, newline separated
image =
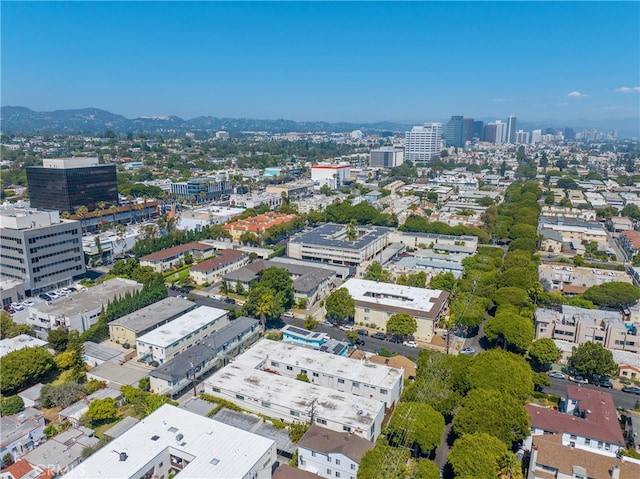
<point x="19" y="119"/>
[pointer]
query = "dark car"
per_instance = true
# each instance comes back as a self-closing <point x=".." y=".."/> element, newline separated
<point x="378" y="336"/>
<point x="174" y="288"/>
<point x="362" y="332"/>
<point x="45" y="296"/>
<point x="604" y="383"/>
<point x="359" y="342"/>
<point x="229" y="300"/>
<point x="394" y="339"/>
<point x="631" y="389"/>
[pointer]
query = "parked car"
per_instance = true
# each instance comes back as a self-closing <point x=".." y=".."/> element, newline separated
<point x="29" y="302"/>
<point x="359" y="342"/>
<point x="328" y="324"/>
<point x="556" y="374"/>
<point x="394" y="339"/>
<point x="45" y="296"/>
<point x="346" y="327"/>
<point x="72" y="289"/>
<point x="468" y="350"/>
<point x="378" y="336"/>
<point x="578" y="379"/>
<point x="229" y="300"/>
<point x="411" y="344"/>
<point x="217" y="297"/>
<point x="9" y="309"/>
<point x="53" y="295"/>
<point x="362" y="332"/>
<point x="289" y="314"/>
<point x="17" y="306"/>
<point x="604" y="383"/>
<point x="631" y="389"/>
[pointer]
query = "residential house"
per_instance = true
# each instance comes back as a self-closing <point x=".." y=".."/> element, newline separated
<point x="331" y="454"/>
<point x="21" y="433"/>
<point x="630" y="240"/>
<point x="559" y="276"/>
<point x="212" y="270"/>
<point x="64" y="451"/>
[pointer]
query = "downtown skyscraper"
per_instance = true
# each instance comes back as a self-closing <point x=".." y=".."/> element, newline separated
<point x="511" y="129"/>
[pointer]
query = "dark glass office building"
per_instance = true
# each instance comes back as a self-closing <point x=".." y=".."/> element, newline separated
<point x="67" y="184"/>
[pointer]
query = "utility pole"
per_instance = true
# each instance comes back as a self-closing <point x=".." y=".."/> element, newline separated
<point x="193" y="368"/>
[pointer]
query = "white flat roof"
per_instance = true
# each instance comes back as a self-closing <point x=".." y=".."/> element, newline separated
<point x="182" y="326"/>
<point x="355" y="411"/>
<point x="394" y="295"/>
<point x="9" y="345"/>
<point x="204" y="439"/>
<point x="352" y="369"/>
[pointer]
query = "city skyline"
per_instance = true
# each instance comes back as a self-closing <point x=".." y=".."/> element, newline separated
<point x="308" y="61"/>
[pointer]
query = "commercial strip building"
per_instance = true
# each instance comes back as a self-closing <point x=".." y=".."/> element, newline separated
<point x="38" y="250"/>
<point x="341" y="395"/>
<point x="333" y="175"/>
<point x="65" y="184"/>
<point x="212" y="352"/>
<point x="578" y="326"/>
<point x="81" y="310"/>
<point x="169" y="340"/>
<point x="166" y="259"/>
<point x="172" y="441"/>
<point x="330" y="243"/>
<point x="127" y="329"/>
<point x="376" y="302"/>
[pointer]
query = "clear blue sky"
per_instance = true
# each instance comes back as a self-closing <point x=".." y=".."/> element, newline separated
<point x="361" y="61"/>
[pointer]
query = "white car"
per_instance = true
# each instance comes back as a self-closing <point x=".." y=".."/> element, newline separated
<point x="468" y="351"/>
<point x="17" y="306"/>
<point x="29" y="302"/>
<point x="53" y="295"/>
<point x="289" y="314"/>
<point x="411" y="344"/>
<point x="346" y="327"/>
<point x="556" y="374"/>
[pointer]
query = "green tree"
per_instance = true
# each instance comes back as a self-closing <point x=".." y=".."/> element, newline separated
<point x="512" y="295"/>
<point x="509" y="466"/>
<point x="415" y="424"/>
<point x="145" y="383"/>
<point x="592" y="358"/>
<point x="518" y="331"/>
<point x="550" y="199"/>
<point x="10" y="405"/>
<point x="493" y="412"/>
<point x="417" y="280"/>
<point x="544" y="351"/>
<point x="23" y="368"/>
<point x="384" y="462"/>
<point x="266" y="307"/>
<point x="614" y="294"/>
<point x="102" y="410"/>
<point x="402" y="324"/>
<point x="155" y="401"/>
<point x="340" y="306"/>
<point x="310" y="323"/>
<point x="62" y="395"/>
<point x="375" y="272"/>
<point x="502" y="371"/>
<point x="352" y="336"/>
<point x="6" y="323"/>
<point x="476" y="456"/>
<point x="58" y="339"/>
<point x="443" y="281"/>
<point x="425" y="469"/>
<point x="297" y="430"/>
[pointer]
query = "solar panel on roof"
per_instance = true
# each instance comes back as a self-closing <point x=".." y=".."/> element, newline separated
<point x="301" y="332"/>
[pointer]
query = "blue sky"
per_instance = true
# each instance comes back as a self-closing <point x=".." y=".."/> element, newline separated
<point x="360" y="61"/>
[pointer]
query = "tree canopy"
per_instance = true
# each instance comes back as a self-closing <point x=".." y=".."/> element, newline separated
<point x="402" y="324"/>
<point x="614" y="294"/>
<point x="518" y="331"/>
<point x="443" y="281"/>
<point x="476" y="455"/>
<point x="340" y="306"/>
<point x="415" y="423"/>
<point x="503" y="371"/>
<point x="592" y="358"/>
<point x="544" y="351"/>
<point x="384" y="462"/>
<point x="493" y="412"/>
<point x="23" y="368"/>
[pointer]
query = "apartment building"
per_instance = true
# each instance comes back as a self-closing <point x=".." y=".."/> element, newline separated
<point x="212" y="270"/>
<point x="173" y="441"/>
<point x="257" y="224"/>
<point x="39" y="250"/>
<point x="166" y="342"/>
<point x="168" y="258"/>
<point x="577" y="279"/>
<point x="578" y="326"/>
<point x="376" y="302"/>
<point x="127" y="329"/>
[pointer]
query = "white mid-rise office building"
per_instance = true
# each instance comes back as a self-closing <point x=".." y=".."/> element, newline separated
<point x="423" y="143"/>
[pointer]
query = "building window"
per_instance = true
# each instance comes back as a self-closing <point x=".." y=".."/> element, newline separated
<point x="321" y="421"/>
<point x="356" y="385"/>
<point x="328" y="472"/>
<point x="315" y="375"/>
<point x="353" y="467"/>
<point x="573" y="436"/>
<point x="337" y="474"/>
<point x="313" y="453"/>
<point x="340" y="381"/>
<point x="275" y="364"/>
<point x="346" y="428"/>
<point x="294" y="413"/>
<point x="266" y="404"/>
<point x="383" y="391"/>
<point x="328" y="458"/>
<point x="240" y="396"/>
<point x="289" y="368"/>
<point x="587" y="441"/>
<point x="337" y="462"/>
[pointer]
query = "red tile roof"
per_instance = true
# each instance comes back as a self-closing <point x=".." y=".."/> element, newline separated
<point x="633" y="237"/>
<point x="176" y="250"/>
<point x="19" y="469"/>
<point x="600" y="424"/>
<point x="225" y="256"/>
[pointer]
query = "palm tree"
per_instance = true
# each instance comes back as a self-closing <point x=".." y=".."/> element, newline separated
<point x="509" y="466"/>
<point x="266" y="306"/>
<point x="113" y="209"/>
<point x="81" y="213"/>
<point x="352" y="230"/>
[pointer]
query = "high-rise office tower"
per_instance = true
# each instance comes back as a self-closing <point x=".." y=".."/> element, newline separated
<point x="467" y="129"/>
<point x="501" y="132"/>
<point x="65" y="184"/>
<point x="423" y="143"/>
<point x="569" y="134"/>
<point x="453" y="134"/>
<point x="478" y="130"/>
<point x="511" y="129"/>
<point x="490" y="133"/>
<point x="522" y="137"/>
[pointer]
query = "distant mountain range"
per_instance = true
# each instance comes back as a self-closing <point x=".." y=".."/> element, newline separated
<point x="19" y="119"/>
